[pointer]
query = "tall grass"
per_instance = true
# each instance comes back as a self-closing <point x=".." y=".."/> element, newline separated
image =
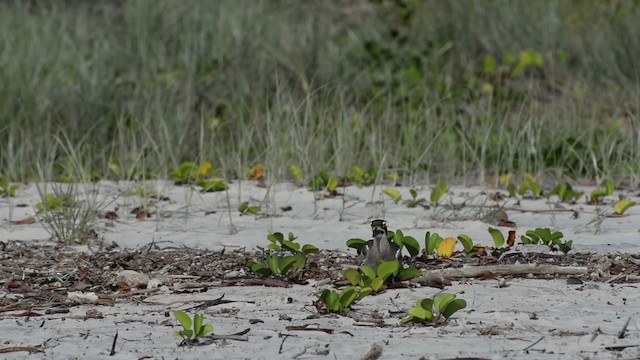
<point x="139" y="86"/>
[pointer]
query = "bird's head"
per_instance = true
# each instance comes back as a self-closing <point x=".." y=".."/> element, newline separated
<point x="379" y="227"/>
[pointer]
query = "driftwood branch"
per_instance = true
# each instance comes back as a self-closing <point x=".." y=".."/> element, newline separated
<point x="431" y="276"/>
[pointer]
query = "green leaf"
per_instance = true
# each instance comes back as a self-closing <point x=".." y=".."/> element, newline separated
<point x="420" y="313"/>
<point x="185" y="333"/>
<point x="408" y="273"/>
<point x="511" y="188"/>
<point x="184" y="319"/>
<point x="535" y="189"/>
<point x="197" y="323"/>
<point x="205" y="330"/>
<point x="431" y="242"/>
<point x="212" y="185"/>
<point x="376" y="283"/>
<point x="332" y="184"/>
<point x="414" y="193"/>
<point x="454" y="305"/>
<point x="365" y="291"/>
<point x="609" y="186"/>
<point x="333" y="302"/>
<point x="535" y="238"/>
<point x="566" y="246"/>
<point x="388" y="268"/>
<point x="623" y="205"/>
<point x="309" y="249"/>
<point x="412" y="245"/>
<point x="275" y="237"/>
<point x="301" y="260"/>
<point x="394" y="194"/>
<point x="294" y="247"/>
<point x="348" y="296"/>
<point x="243" y="207"/>
<point x="368" y="271"/>
<point x="357" y="244"/>
<point x="466" y="242"/>
<point x="286" y="263"/>
<point x="258" y="268"/>
<point x="398" y="238"/>
<point x="498" y="238"/>
<point x="438" y="192"/>
<point x="353" y="276"/>
<point x="441" y="302"/>
<point x="426" y="303"/>
<point x="272" y="261"/>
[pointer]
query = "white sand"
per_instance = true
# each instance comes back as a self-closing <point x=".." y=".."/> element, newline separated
<point x="497" y="323"/>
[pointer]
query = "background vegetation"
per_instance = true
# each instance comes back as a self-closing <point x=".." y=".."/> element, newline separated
<point x="460" y="90"/>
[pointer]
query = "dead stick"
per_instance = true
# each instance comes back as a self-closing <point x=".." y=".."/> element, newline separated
<point x="30" y="349"/>
<point x="229" y="337"/>
<point x="266" y="282"/>
<point x="113" y="346"/>
<point x="305" y="328"/>
<point x="624" y="329"/>
<point x="534" y="344"/>
<point x="519" y="269"/>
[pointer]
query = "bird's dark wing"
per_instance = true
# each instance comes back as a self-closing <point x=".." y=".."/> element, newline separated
<point x="367" y="246"/>
<point x="396" y="249"/>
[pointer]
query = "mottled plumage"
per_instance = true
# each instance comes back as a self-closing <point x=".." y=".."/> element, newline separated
<point x="380" y="248"/>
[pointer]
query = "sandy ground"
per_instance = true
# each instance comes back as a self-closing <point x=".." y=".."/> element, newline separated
<point x="531" y="318"/>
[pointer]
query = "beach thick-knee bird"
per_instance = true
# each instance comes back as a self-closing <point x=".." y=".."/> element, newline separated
<point x="380" y="248"/>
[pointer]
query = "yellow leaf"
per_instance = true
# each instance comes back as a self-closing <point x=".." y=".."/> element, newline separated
<point x="529" y="177"/>
<point x="296" y="173"/>
<point x="393" y="194"/>
<point x="446" y="246"/>
<point x="205" y="168"/>
<point x="504" y="179"/>
<point x="257" y="172"/>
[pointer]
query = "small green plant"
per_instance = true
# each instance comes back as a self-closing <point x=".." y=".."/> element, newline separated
<point x="435" y="310"/>
<point x="203" y="175"/>
<point x="547" y="237"/>
<point x="246" y="209"/>
<point x="438" y="192"/>
<point x="529" y="185"/>
<point x="323" y="182"/>
<point x="606" y="188"/>
<point x="361" y="177"/>
<point x="368" y="280"/>
<point x="278" y="264"/>
<point x="341" y="302"/>
<point x="189" y="171"/>
<point x="296" y="173"/>
<point x="192" y="329"/>
<point x="280" y="243"/>
<point x="431" y="242"/>
<point x="66" y="215"/>
<point x="565" y="193"/>
<point x="415" y="201"/>
<point x="6" y="189"/>
<point x="51" y="202"/>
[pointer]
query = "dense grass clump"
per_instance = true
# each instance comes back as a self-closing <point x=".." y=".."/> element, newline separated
<point x="430" y="89"/>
